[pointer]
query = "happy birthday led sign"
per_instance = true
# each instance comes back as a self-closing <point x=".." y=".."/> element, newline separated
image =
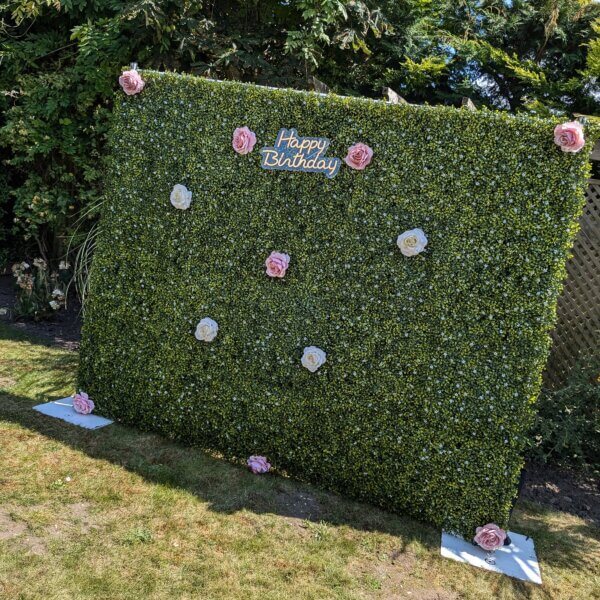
<point x="294" y="153"/>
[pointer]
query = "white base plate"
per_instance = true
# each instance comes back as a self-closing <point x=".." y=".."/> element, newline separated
<point x="63" y="409"/>
<point x="517" y="560"/>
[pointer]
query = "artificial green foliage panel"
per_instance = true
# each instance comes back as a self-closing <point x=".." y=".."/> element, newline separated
<point x="433" y="361"/>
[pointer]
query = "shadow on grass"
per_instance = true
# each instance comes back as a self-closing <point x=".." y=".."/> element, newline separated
<point x="228" y="488"/>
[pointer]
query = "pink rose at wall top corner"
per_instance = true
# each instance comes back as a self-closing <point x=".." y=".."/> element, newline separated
<point x="359" y="156"/>
<point x="277" y="264"/>
<point x="243" y="140"/>
<point x="131" y="82"/>
<point x="569" y="136"/>
<point x="490" y="537"/>
<point x="258" y="464"/>
<point x="82" y="403"/>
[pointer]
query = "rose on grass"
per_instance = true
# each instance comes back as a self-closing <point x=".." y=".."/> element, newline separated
<point x="181" y="197"/>
<point x="490" y="537"/>
<point x="569" y="136"/>
<point x="206" y="330"/>
<point x="82" y="403"/>
<point x="313" y="358"/>
<point x="277" y="264"/>
<point x="131" y="82"/>
<point x="258" y="464"/>
<point x="412" y="242"/>
<point x="359" y="156"/>
<point x="243" y="140"/>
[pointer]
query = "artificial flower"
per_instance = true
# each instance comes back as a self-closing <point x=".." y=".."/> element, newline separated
<point x="258" y="464"/>
<point x="206" y="330"/>
<point x="181" y="197"/>
<point x="82" y="403"/>
<point x="412" y="242"/>
<point x="569" y="136"/>
<point x="490" y="537"/>
<point x="131" y="82"/>
<point x="359" y="156"/>
<point x="277" y="264"/>
<point x="313" y="358"/>
<point x="243" y="140"/>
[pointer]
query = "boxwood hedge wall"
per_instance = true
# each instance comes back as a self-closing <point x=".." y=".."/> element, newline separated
<point x="433" y="361"/>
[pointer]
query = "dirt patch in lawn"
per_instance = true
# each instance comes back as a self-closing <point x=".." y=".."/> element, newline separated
<point x="393" y="579"/>
<point x="67" y="521"/>
<point x="9" y="528"/>
<point x="18" y="532"/>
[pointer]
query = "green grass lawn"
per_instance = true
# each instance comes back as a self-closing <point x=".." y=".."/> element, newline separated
<point x="117" y="513"/>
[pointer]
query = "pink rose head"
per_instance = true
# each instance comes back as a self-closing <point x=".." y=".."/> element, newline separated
<point x="359" y="156"/>
<point x="131" y="82"/>
<point x="82" y="403"/>
<point x="277" y="264"/>
<point x="490" y="537"/>
<point x="243" y="140"/>
<point x="258" y="464"/>
<point x="569" y="136"/>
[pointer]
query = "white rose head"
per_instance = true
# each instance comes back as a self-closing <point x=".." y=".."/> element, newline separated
<point x="57" y="293"/>
<point x="412" y="242"/>
<point x="206" y="330"/>
<point x="181" y="197"/>
<point x="313" y="358"/>
<point x="54" y="304"/>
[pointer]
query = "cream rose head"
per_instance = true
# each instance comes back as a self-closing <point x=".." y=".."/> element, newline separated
<point x="131" y="82"/>
<point x="181" y="197"/>
<point x="206" y="330"/>
<point x="490" y="537"/>
<point x="313" y="358"/>
<point x="412" y="242"/>
<point x="569" y="136"/>
<point x="243" y="140"/>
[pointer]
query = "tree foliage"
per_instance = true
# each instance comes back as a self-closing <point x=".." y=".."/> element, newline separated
<point x="60" y="59"/>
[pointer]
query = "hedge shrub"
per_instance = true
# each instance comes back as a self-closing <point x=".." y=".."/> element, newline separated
<point x="433" y="362"/>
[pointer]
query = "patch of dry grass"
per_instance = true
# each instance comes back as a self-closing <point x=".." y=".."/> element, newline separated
<point x="123" y="514"/>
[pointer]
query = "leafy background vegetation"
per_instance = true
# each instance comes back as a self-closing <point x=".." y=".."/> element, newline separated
<point x="59" y="61"/>
<point x="433" y="361"/>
